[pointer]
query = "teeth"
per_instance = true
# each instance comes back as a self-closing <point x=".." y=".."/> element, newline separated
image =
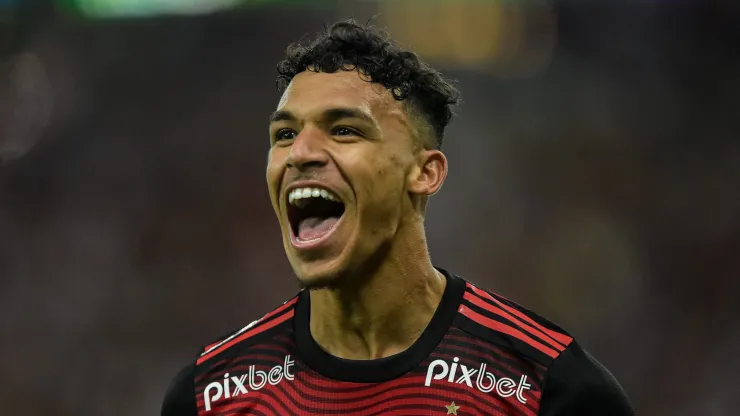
<point x="296" y="196"/>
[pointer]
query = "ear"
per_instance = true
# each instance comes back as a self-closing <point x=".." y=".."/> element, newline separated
<point x="429" y="173"/>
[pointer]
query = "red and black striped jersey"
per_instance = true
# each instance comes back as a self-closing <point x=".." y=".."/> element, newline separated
<point x="481" y="354"/>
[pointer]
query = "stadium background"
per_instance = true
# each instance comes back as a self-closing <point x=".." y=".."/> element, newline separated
<point x="595" y="177"/>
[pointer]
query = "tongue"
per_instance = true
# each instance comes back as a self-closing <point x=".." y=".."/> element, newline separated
<point x="314" y="227"/>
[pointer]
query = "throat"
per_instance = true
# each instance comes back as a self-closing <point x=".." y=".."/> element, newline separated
<point x="376" y="325"/>
<point x="372" y="341"/>
<point x="313" y="228"/>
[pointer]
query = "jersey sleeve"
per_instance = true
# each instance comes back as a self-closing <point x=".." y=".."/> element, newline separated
<point x="180" y="397"/>
<point x="577" y="384"/>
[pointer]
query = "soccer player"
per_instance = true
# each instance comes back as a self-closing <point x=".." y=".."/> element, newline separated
<point x="377" y="329"/>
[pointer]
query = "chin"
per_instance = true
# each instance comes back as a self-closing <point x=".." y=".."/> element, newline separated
<point x="315" y="280"/>
<point x="322" y="267"/>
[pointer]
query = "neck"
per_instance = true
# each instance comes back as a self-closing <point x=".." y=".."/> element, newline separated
<point x="387" y="312"/>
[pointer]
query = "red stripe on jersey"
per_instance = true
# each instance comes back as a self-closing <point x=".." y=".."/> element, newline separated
<point x="561" y="338"/>
<point x="506" y="329"/>
<point x="477" y="301"/>
<point x="208" y="347"/>
<point x="252" y="332"/>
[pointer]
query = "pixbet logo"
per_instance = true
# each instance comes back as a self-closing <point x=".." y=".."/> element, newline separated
<point x="485" y="382"/>
<point x="233" y="386"/>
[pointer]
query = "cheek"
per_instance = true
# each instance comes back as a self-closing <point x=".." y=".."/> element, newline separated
<point x="275" y="162"/>
<point x="385" y="180"/>
<point x="394" y="169"/>
<point x="273" y="175"/>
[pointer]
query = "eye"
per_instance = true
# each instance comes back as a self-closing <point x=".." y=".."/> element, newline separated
<point x="344" y="131"/>
<point x="284" y="134"/>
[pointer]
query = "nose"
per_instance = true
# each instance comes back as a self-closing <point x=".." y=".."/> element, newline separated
<point x="307" y="150"/>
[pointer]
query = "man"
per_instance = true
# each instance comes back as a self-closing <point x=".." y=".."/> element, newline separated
<point x="378" y="330"/>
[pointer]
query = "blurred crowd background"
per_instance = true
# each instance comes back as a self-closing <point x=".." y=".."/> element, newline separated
<point x="594" y="177"/>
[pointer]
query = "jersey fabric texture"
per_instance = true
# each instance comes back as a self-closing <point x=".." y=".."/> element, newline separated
<point x="481" y="354"/>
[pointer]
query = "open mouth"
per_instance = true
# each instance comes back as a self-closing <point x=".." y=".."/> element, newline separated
<point x="313" y="213"/>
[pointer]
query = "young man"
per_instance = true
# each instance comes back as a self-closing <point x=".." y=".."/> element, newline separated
<point x="378" y="329"/>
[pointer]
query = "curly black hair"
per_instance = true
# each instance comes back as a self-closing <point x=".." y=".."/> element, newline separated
<point x="347" y="45"/>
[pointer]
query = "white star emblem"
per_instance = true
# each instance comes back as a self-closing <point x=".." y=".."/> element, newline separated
<point x="452" y="408"/>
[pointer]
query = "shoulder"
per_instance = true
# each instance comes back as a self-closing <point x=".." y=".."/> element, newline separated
<point x="577" y="383"/>
<point x="180" y="399"/>
<point x="252" y="333"/>
<point x="573" y="381"/>
<point x="507" y="324"/>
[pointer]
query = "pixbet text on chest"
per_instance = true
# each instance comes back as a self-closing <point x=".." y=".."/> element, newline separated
<point x="254" y="379"/>
<point x="477" y="378"/>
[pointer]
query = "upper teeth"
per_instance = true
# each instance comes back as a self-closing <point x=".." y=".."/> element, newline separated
<point x="296" y="196"/>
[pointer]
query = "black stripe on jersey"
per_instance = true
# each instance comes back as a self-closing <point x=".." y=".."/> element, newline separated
<point x="506" y="342"/>
<point x="285" y="340"/>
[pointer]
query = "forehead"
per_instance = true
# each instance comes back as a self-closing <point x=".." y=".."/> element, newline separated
<point x="312" y="92"/>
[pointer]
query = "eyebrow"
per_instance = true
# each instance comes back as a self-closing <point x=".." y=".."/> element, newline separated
<point x="281" y="116"/>
<point x="328" y="116"/>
